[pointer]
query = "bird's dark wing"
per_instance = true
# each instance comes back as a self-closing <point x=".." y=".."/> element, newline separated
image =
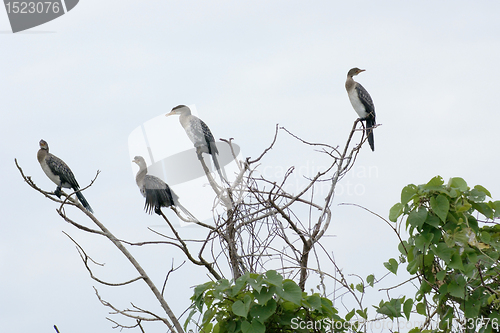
<point x="366" y="99"/>
<point x="61" y="169"/>
<point x="200" y="135"/>
<point x="209" y="138"/>
<point x="157" y="194"/>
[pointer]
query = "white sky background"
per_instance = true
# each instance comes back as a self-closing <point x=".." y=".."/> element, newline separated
<point x="84" y="81"/>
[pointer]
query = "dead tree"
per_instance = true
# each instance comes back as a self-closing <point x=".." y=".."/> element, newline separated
<point x="258" y="230"/>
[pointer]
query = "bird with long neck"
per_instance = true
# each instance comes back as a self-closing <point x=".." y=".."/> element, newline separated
<point x="59" y="173"/>
<point x="362" y="103"/>
<point x="199" y="134"/>
<point x="157" y="193"/>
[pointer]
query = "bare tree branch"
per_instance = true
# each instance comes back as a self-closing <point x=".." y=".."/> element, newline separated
<point x="119" y="245"/>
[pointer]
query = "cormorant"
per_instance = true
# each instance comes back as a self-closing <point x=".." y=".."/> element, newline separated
<point x="199" y="134"/>
<point x="362" y="103"/>
<point x="59" y="173"/>
<point x="157" y="193"/>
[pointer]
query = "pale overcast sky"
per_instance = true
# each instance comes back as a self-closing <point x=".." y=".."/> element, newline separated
<point x="86" y="80"/>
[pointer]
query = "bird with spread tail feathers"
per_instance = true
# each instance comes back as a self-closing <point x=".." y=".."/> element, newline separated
<point x="199" y="134"/>
<point x="157" y="193"/>
<point x="59" y="173"/>
<point x="362" y="103"/>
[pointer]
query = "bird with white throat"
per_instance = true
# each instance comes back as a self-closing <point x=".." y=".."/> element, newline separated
<point x="362" y="103"/>
<point x="199" y="134"/>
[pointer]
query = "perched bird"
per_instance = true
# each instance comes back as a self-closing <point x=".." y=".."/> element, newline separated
<point x="157" y="193"/>
<point x="199" y="134"/>
<point x="59" y="173"/>
<point x="362" y="103"/>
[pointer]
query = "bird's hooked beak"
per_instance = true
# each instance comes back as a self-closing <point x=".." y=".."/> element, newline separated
<point x="178" y="110"/>
<point x="361" y="70"/>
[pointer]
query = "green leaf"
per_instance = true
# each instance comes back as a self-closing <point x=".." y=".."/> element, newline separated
<point x="207" y="327"/>
<point x="417" y="217"/>
<point x="288" y="306"/>
<point x="458" y="183"/>
<point x="476" y="195"/>
<point x="350" y="315"/>
<point x="239" y="284"/>
<point x="421" y="309"/>
<point x="197" y="298"/>
<point x="456" y="262"/>
<point x="496" y="206"/>
<point x="472" y="256"/>
<point x="328" y="309"/>
<point x="492" y="298"/>
<point x="360" y="287"/>
<point x="403" y="247"/>
<point x="395" y="212"/>
<point x="370" y="279"/>
<point x="435" y="183"/>
<point x="208" y="315"/>
<point x="414" y="265"/>
<point x="456" y="290"/>
<point x="443" y="291"/>
<point x="416" y="330"/>
<point x="485" y="236"/>
<point x="483" y="208"/>
<point x="462" y="236"/>
<point x="200" y="289"/>
<point x="363" y="314"/>
<point x="425" y="288"/>
<point x="423" y="240"/>
<point x="433" y="220"/>
<point x="392" y="309"/>
<point x="462" y="206"/>
<point x="482" y="189"/>
<point x="314" y="301"/>
<point x="443" y="251"/>
<point x="290" y="292"/>
<point x="241" y="308"/>
<point x="256" y="283"/>
<point x="273" y="278"/>
<point x="265" y="294"/>
<point x="407" y="308"/>
<point x="407" y="193"/>
<point x="191" y="313"/>
<point x="263" y="312"/>
<point x="440" y="206"/>
<point x="472" y="308"/>
<point x="254" y="327"/>
<point x="221" y="287"/>
<point x="233" y="326"/>
<point x="392" y="266"/>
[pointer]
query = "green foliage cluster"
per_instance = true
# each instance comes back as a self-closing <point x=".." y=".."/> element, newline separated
<point x="262" y="303"/>
<point x="453" y="253"/>
<point x="455" y="258"/>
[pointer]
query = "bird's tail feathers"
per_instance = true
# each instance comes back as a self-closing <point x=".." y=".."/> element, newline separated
<point x="369" y="132"/>
<point x="84" y="201"/>
<point x="221" y="171"/>
<point x="187" y="213"/>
